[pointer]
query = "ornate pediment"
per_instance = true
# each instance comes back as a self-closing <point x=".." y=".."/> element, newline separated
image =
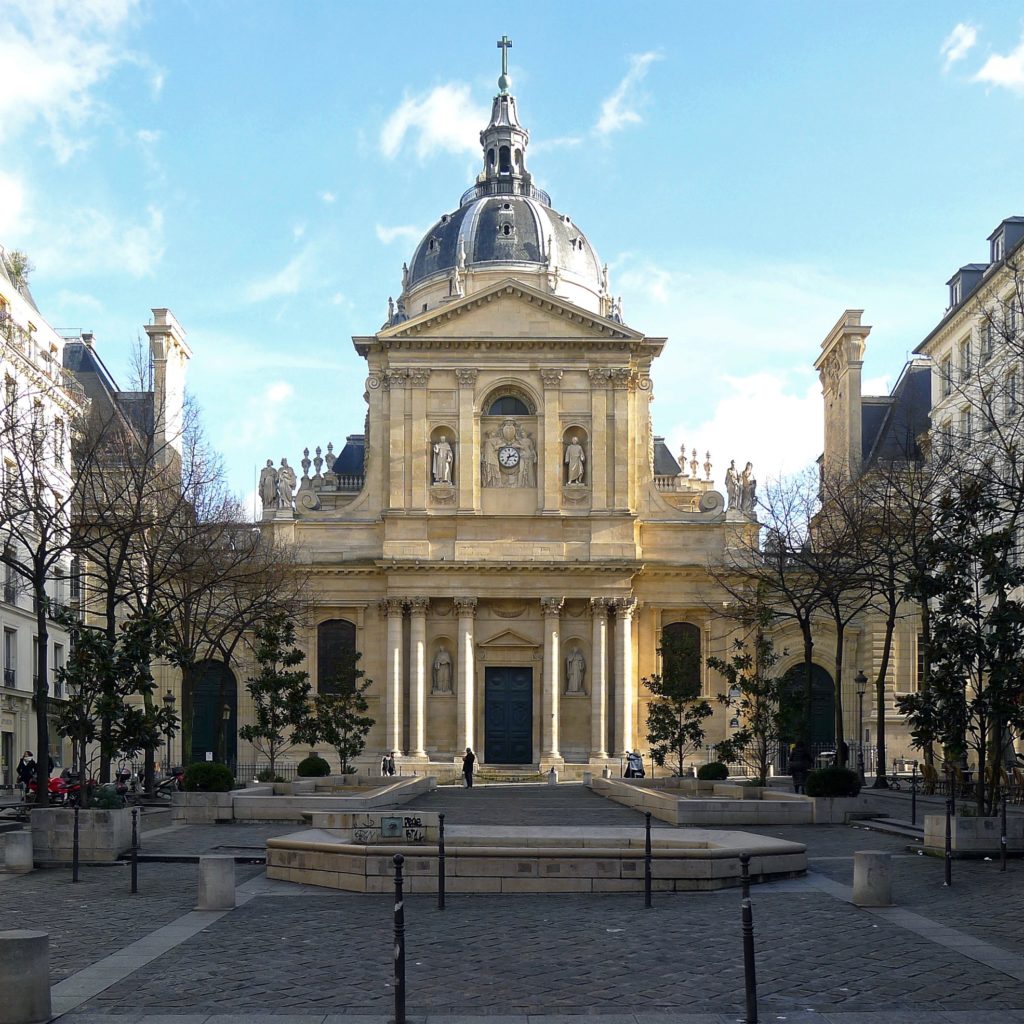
<point x="508" y="638"/>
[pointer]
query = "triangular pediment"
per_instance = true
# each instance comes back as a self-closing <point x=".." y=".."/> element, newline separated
<point x="510" y="309"/>
<point x="508" y="638"/>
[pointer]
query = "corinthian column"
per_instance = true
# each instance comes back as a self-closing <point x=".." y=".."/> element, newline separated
<point x="465" y="692"/>
<point x="418" y="675"/>
<point x="392" y="607"/>
<point x="552" y="607"/>
<point x="599" y="679"/>
<point x="625" y="691"/>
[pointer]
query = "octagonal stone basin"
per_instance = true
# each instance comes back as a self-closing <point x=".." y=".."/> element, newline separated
<point x="357" y="855"/>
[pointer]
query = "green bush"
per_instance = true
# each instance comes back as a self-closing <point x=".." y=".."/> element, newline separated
<point x="267" y="776"/>
<point x="832" y="782"/>
<point x="105" y="799"/>
<point x="313" y="767"/>
<point x="714" y="771"/>
<point x="208" y="777"/>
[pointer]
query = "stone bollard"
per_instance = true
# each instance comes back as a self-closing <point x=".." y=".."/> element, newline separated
<point x="588" y="778"/>
<point x="18" y="852"/>
<point x="216" y="883"/>
<point x="553" y="777"/>
<point x="606" y="772"/>
<point x="872" y="879"/>
<point x="24" y="977"/>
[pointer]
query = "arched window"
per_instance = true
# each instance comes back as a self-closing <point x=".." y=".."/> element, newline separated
<point x="681" y="655"/>
<point x="508" y="405"/>
<point x="504" y="160"/>
<point x="335" y="655"/>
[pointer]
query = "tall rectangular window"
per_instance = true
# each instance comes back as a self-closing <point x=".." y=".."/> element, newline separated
<point x="947" y="376"/>
<point x="58" y="664"/>
<point x="965" y="358"/>
<point x="10" y="657"/>
<point x="35" y="662"/>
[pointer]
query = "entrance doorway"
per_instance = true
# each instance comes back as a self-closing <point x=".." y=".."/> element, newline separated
<point x="508" y="715"/>
<point x="823" y="704"/>
<point x="214" y="714"/>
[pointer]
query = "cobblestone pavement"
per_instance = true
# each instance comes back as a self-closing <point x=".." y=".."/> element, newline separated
<point x="296" y="950"/>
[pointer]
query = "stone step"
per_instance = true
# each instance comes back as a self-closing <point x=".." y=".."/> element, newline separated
<point x="893" y="826"/>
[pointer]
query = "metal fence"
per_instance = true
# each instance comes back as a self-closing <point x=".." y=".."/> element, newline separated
<point x="245" y="772"/>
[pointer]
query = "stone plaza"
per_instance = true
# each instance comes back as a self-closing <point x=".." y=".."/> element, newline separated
<point x="299" y="954"/>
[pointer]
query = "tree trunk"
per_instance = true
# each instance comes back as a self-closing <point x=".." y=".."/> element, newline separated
<point x="881" y="781"/>
<point x="805" y="725"/>
<point x="110" y="619"/>
<point x="40" y="686"/>
<point x="842" y="754"/>
<point x="926" y="666"/>
<point x="187" y="684"/>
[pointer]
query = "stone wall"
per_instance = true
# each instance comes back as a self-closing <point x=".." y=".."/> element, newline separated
<point x="102" y="835"/>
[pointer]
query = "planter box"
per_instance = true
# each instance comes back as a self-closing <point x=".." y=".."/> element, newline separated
<point x="837" y="810"/>
<point x="202" y="808"/>
<point x="102" y="835"/>
<point x="973" y="836"/>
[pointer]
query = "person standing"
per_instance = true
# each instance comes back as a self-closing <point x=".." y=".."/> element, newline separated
<point x="26" y="771"/>
<point x="467" y="767"/>
<point x="799" y="766"/>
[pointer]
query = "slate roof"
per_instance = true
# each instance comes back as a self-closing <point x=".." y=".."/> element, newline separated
<point x="891" y="425"/>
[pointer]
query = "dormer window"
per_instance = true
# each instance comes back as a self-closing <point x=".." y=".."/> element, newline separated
<point x="998" y="247"/>
<point x="506" y="229"/>
<point x="954" y="292"/>
<point x="432" y="245"/>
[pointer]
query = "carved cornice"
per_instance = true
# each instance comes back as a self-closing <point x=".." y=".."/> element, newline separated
<point x="466" y="378"/>
<point x="552" y="605"/>
<point x="551" y="378"/>
<point x="465" y="606"/>
<point x="419" y="605"/>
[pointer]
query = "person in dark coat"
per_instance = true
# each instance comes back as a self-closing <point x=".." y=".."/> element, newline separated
<point x="467" y="767"/>
<point x="799" y="765"/>
<point x="26" y="770"/>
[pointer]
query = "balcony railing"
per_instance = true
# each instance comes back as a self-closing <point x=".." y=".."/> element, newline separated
<point x="505" y="187"/>
<point x="10" y="678"/>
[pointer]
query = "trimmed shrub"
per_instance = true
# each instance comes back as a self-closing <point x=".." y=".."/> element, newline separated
<point x="313" y="767"/>
<point x="208" y="777"/>
<point x="832" y="782"/>
<point x="106" y="799"/>
<point x="266" y="776"/>
<point x="714" y="771"/>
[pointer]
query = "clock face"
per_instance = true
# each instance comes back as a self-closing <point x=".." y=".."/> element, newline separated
<point x="508" y="456"/>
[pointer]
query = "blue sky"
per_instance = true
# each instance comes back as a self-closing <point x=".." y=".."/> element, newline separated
<point x="748" y="170"/>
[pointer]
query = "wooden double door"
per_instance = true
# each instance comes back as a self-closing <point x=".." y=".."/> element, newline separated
<point x="508" y="715"/>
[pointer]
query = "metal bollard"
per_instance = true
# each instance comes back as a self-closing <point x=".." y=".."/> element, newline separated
<point x="913" y="795"/>
<point x="1002" y="837"/>
<point x="749" y="973"/>
<point x="647" y="859"/>
<point x="74" y="849"/>
<point x="745" y="874"/>
<point x="399" y="942"/>
<point x="440" y="862"/>
<point x="135" y="849"/>
<point x="949" y="843"/>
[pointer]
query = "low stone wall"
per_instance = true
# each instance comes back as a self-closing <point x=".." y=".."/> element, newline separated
<point x="553" y="863"/>
<point x="102" y="835"/>
<point x="728" y="805"/>
<point x="295" y="801"/>
<point x="972" y="836"/>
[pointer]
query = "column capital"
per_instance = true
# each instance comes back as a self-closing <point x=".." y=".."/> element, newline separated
<point x="465" y="606"/>
<point x="600" y="605"/>
<point x="395" y="379"/>
<point x="466" y="378"/>
<point x="621" y="376"/>
<point x="600" y="376"/>
<point x="624" y="606"/>
<point x="418" y="378"/>
<point x="551" y="378"/>
<point x="391" y="606"/>
<point x="419" y="605"/>
<point x="552" y="605"/>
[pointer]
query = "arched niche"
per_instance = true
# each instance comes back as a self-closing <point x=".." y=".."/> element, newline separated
<point x="509" y="441"/>
<point x="681" y="655"/>
<point x="442" y="453"/>
<point x="441" y="670"/>
<point x="335" y="655"/>
<point x="575" y="672"/>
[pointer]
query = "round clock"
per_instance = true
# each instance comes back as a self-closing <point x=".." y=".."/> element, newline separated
<point x="508" y="456"/>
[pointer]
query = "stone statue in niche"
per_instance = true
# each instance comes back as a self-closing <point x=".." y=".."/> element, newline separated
<point x="444" y="460"/>
<point x="574" y="461"/>
<point x="508" y="457"/>
<point x="732" y="485"/>
<point x="268" y="485"/>
<point x="748" y="490"/>
<point x="285" y="485"/>
<point x="442" y="672"/>
<point x="575" y="669"/>
<point x="527" y="460"/>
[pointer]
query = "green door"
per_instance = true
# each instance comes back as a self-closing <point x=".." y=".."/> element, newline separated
<point x="508" y="715"/>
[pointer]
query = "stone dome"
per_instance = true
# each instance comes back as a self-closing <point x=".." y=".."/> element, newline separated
<point x="504" y="227"/>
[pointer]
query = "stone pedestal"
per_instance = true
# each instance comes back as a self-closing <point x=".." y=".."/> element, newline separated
<point x="18" y="852"/>
<point x="24" y="977"/>
<point x="872" y="879"/>
<point x="216" y="883"/>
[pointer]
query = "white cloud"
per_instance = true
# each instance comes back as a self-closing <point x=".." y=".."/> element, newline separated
<point x="53" y="55"/>
<point x="328" y="197"/>
<point x="287" y="281"/>
<point x="148" y="136"/>
<point x="278" y="392"/>
<point x="69" y="300"/>
<point x="958" y="43"/>
<point x="621" y="107"/>
<point x="389" y="235"/>
<point x="444" y="119"/>
<point x="298" y="230"/>
<point x="1006" y="72"/>
<point x="12" y="203"/>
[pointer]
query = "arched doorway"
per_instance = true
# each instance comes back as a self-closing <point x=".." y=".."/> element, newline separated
<point x="822" y="730"/>
<point x="214" y="714"/>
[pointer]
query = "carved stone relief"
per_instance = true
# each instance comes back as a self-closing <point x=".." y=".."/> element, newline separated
<point x="509" y="457"/>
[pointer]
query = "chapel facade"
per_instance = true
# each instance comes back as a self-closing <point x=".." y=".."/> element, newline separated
<point x="507" y="540"/>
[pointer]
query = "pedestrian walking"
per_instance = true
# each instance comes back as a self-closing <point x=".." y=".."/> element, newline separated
<point x="26" y="771"/>
<point x="391" y="763"/>
<point x="467" y="767"/>
<point x="799" y="765"/>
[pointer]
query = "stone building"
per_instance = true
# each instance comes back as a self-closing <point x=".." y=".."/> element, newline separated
<point x="507" y="539"/>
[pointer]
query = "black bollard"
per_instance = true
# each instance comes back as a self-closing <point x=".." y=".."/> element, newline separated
<point x="135" y="849"/>
<point x="647" y="859"/>
<point x="913" y="795"/>
<point x="440" y="862"/>
<point x="74" y="849"/>
<point x="745" y="874"/>
<point x="1002" y="838"/>
<point x="399" y="942"/>
<point x="949" y="842"/>
<point x="749" y="974"/>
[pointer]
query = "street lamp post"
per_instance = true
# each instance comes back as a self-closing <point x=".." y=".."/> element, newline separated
<point x="169" y="705"/>
<point x="861" y="682"/>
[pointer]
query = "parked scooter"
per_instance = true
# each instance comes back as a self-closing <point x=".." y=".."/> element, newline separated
<point x="174" y="783"/>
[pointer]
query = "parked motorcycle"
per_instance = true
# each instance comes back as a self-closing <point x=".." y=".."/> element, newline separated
<point x="174" y="783"/>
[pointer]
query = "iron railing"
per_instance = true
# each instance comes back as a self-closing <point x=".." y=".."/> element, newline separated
<point x="505" y="187"/>
<point x="10" y="678"/>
